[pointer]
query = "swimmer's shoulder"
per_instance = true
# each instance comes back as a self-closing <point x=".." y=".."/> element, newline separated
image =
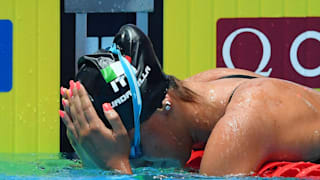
<point x="218" y="73"/>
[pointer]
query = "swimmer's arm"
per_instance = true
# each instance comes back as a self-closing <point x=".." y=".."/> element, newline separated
<point x="235" y="146"/>
<point x="217" y="73"/>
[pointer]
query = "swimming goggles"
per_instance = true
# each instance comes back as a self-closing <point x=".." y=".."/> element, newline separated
<point x="135" y="150"/>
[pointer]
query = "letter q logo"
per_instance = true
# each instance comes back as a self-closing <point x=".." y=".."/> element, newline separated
<point x="267" y="51"/>
<point x="281" y="47"/>
<point x="265" y="44"/>
<point x="294" y="54"/>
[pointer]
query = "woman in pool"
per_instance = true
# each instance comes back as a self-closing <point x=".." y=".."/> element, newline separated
<point x="240" y="119"/>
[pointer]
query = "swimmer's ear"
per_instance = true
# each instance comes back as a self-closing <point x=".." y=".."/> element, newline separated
<point x="166" y="103"/>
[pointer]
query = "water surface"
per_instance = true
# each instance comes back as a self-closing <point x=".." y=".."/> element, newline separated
<point x="57" y="166"/>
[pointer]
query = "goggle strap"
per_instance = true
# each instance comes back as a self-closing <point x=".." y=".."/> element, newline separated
<point x="135" y="150"/>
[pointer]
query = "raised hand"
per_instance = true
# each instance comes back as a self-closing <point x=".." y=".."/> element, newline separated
<point x="107" y="148"/>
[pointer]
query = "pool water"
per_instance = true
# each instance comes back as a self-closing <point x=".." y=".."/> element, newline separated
<point x="57" y="166"/>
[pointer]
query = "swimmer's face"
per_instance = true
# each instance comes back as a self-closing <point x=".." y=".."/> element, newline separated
<point x="163" y="138"/>
<point x="157" y="140"/>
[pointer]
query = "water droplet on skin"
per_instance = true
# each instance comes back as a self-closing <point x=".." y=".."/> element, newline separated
<point x="309" y="104"/>
<point x="212" y="95"/>
<point x="234" y="125"/>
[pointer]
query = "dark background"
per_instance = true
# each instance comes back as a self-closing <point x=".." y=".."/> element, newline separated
<point x="100" y="25"/>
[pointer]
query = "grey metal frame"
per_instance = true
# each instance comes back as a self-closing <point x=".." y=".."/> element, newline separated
<point x="104" y="6"/>
<point x="86" y="45"/>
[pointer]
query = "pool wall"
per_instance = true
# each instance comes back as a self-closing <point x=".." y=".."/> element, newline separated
<point x="29" y="121"/>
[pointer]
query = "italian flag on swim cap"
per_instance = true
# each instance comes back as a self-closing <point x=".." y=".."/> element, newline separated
<point x="113" y="71"/>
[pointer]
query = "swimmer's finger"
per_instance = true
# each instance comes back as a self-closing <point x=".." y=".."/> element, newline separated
<point x="66" y="107"/>
<point x="68" y="123"/>
<point x="74" y="115"/>
<point x="87" y="107"/>
<point x="114" y="119"/>
<point x="64" y="92"/>
<point x="75" y="121"/>
<point x="82" y="120"/>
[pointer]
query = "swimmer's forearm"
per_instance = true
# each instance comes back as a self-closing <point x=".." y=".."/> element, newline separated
<point x="122" y="165"/>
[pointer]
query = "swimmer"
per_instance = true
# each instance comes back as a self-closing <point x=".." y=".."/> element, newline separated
<point x="240" y="119"/>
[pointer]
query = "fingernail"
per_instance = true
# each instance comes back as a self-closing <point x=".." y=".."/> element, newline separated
<point x="71" y="82"/>
<point x="61" y="91"/>
<point x="78" y="85"/>
<point x="63" y="102"/>
<point x="107" y="106"/>
<point x="70" y="93"/>
<point x="61" y="114"/>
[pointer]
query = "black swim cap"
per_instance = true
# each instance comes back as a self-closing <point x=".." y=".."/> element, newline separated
<point x="105" y="81"/>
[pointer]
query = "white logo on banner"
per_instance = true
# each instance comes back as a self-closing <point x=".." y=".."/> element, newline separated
<point x="267" y="51"/>
<point x="294" y="54"/>
<point x="265" y="45"/>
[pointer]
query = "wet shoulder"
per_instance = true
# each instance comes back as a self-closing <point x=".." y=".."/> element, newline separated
<point x="273" y="98"/>
<point x="276" y="87"/>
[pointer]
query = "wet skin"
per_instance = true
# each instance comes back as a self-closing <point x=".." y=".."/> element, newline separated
<point x="266" y="120"/>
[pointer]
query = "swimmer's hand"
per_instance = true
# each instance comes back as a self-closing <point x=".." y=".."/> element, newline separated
<point x="87" y="162"/>
<point x="107" y="148"/>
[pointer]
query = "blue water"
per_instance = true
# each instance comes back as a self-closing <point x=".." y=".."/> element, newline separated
<point x="57" y="166"/>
